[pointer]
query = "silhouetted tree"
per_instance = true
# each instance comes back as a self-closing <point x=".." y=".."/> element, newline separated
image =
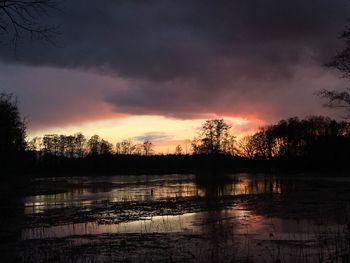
<point x="178" y="150"/>
<point x="105" y="147"/>
<point x="247" y="147"/>
<point x="99" y="146"/>
<point x="118" y="148"/>
<point x="12" y="128"/>
<point x="19" y="19"/>
<point x="51" y="144"/>
<point x="59" y="145"/>
<point x="214" y="138"/>
<point x="261" y="144"/>
<point x="340" y="62"/>
<point x="35" y="144"/>
<point x="147" y="147"/>
<point x="126" y="147"/>
<point x="137" y="149"/>
<point x="80" y="144"/>
<point x="316" y="137"/>
<point x="337" y="99"/>
<point x="93" y="144"/>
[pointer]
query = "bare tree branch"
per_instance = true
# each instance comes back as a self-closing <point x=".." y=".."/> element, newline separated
<point x="24" y="18"/>
<point x="336" y="99"/>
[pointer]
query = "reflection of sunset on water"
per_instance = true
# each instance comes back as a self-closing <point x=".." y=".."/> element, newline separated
<point x="148" y="188"/>
<point x="245" y="214"/>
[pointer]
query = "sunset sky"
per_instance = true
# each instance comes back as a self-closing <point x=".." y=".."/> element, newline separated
<point x="156" y="69"/>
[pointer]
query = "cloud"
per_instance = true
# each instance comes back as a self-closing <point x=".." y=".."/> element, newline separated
<point x="155" y="137"/>
<point x="183" y="59"/>
<point x="163" y="40"/>
<point x="57" y="97"/>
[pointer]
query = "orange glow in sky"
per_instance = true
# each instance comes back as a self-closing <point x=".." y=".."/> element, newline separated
<point x="165" y="133"/>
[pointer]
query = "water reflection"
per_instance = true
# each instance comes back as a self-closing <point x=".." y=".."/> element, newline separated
<point x="86" y="191"/>
<point x="212" y="232"/>
<point x="187" y="223"/>
<point x="239" y="185"/>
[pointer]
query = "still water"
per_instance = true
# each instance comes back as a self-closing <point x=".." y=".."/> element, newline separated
<point x="176" y="218"/>
<point x="89" y="190"/>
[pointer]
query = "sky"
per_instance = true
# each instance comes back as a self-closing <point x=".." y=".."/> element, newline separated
<point x="156" y="69"/>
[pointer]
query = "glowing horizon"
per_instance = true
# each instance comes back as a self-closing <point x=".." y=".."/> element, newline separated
<point x="165" y="133"/>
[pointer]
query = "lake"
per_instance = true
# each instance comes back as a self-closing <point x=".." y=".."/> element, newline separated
<point x="179" y="218"/>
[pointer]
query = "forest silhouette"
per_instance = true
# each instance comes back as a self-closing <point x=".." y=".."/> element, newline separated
<point x="314" y="143"/>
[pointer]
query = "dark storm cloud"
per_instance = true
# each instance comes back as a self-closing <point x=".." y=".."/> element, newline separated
<point x="159" y="39"/>
<point x="187" y="58"/>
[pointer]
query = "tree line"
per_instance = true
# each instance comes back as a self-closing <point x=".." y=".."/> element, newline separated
<point x="315" y="137"/>
<point x="214" y="137"/>
<point x="312" y="142"/>
<point x="78" y="146"/>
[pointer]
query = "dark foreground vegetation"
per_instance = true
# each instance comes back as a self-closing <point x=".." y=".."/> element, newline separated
<point x="315" y="143"/>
